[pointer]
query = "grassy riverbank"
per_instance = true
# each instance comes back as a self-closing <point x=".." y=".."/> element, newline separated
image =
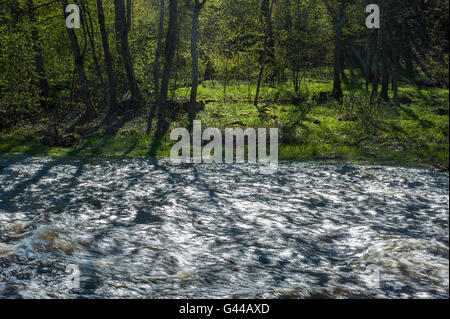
<point x="311" y="125"/>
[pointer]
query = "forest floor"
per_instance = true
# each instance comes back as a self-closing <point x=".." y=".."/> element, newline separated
<point x="312" y="127"/>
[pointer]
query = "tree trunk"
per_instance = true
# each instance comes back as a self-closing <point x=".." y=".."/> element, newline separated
<point x="395" y="66"/>
<point x="170" y="48"/>
<point x="375" y="80"/>
<point x="295" y="76"/>
<point x="122" y="28"/>
<point x="129" y="9"/>
<point x="108" y="57"/>
<point x="156" y="68"/>
<point x="158" y="51"/>
<point x="90" y="33"/>
<point x="90" y="110"/>
<point x="370" y="52"/>
<point x="266" y="9"/>
<point x="384" y="95"/>
<point x="337" y="88"/>
<point x="38" y="57"/>
<point x="194" y="54"/>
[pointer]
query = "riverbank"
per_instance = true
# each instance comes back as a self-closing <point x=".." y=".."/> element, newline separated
<point x="312" y="127"/>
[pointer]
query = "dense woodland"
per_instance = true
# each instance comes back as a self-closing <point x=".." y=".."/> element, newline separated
<point x="151" y="58"/>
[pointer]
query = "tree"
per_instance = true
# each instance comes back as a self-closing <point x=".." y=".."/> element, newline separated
<point x="88" y="29"/>
<point x="156" y="65"/>
<point x="79" y="63"/>
<point x="123" y="25"/>
<point x="108" y="57"/>
<point x="38" y="57"/>
<point x="266" y="20"/>
<point x="338" y="17"/>
<point x="170" y="48"/>
<point x="195" y="7"/>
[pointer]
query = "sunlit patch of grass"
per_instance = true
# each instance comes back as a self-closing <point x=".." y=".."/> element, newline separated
<point x="406" y="134"/>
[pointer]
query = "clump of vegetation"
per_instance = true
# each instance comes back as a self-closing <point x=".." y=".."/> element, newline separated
<point x="312" y="69"/>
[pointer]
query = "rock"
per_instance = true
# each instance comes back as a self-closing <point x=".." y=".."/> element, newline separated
<point x="51" y="137"/>
<point x="68" y="140"/>
<point x="236" y="123"/>
<point x="200" y="105"/>
<point x="267" y="112"/>
<point x="81" y="130"/>
<point x="48" y="140"/>
<point x="129" y="132"/>
<point x="322" y="97"/>
<point x="347" y="118"/>
<point x="216" y="115"/>
<point x="404" y="98"/>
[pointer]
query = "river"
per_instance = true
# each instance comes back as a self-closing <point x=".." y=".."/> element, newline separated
<point x="147" y="228"/>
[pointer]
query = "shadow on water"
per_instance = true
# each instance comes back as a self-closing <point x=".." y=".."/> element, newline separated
<point x="152" y="228"/>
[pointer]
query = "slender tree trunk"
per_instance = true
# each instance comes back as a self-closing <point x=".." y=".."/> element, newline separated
<point x="260" y="75"/>
<point x="129" y="14"/>
<point x="156" y="67"/>
<point x="90" y="110"/>
<point x="370" y="52"/>
<point x="170" y="48"/>
<point x="384" y="95"/>
<point x="395" y="66"/>
<point x="375" y="62"/>
<point x="368" y="63"/>
<point x="122" y="28"/>
<point x="337" y="88"/>
<point x="158" y="50"/>
<point x="91" y="37"/>
<point x="194" y="54"/>
<point x="38" y="57"/>
<point x="295" y="76"/>
<point x="108" y="57"/>
<point x="267" y="16"/>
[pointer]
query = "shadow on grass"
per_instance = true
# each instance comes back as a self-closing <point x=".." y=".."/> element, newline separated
<point x="410" y="113"/>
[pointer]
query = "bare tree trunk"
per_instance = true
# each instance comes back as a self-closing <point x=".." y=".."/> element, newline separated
<point x="370" y="54"/>
<point x="90" y="110"/>
<point x="122" y="28"/>
<point x="158" y="50"/>
<point x="395" y="65"/>
<point x="108" y="57"/>
<point x="90" y="33"/>
<point x="197" y="6"/>
<point x="129" y="11"/>
<point x="295" y="76"/>
<point x="170" y="48"/>
<point x="38" y="57"/>
<point x="337" y="88"/>
<point x="156" y="68"/>
<point x="266" y="9"/>
<point x="375" y="62"/>
<point x="384" y="95"/>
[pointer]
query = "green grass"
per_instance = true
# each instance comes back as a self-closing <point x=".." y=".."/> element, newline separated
<point x="388" y="134"/>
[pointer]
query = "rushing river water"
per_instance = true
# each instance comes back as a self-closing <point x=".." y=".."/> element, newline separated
<point x="140" y="228"/>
